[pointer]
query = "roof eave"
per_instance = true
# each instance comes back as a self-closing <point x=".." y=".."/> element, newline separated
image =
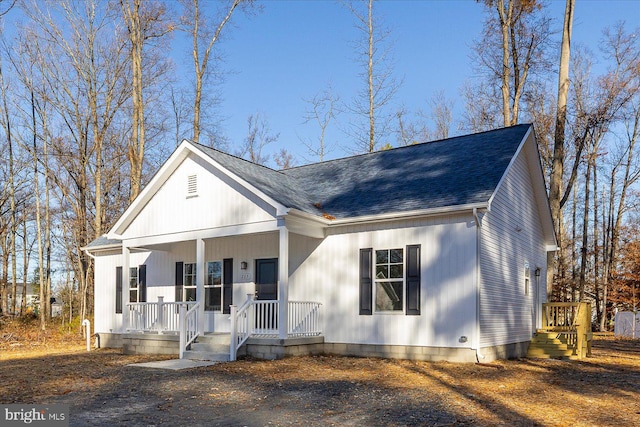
<point x="391" y="216"/>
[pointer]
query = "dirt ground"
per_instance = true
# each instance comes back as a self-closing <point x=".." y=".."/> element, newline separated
<point x="323" y="391"/>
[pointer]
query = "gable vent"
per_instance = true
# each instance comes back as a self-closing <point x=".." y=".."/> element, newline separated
<point x="192" y="185"/>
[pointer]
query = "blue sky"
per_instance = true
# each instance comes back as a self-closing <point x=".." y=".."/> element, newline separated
<point x="293" y="49"/>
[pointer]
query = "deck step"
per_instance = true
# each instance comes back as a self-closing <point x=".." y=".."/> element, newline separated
<point x="551" y="345"/>
<point x="216" y="338"/>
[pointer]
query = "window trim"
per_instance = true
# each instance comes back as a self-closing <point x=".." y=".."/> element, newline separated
<point x="389" y="280"/>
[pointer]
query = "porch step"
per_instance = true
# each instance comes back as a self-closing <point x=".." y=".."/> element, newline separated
<point x="206" y="355"/>
<point x="212" y="347"/>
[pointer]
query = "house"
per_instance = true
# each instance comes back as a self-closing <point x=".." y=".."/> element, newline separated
<point x="435" y="251"/>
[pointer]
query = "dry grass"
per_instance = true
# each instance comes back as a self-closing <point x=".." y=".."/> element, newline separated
<point x="322" y="390"/>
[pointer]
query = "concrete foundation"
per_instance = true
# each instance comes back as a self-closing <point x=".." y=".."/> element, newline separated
<point x="275" y="348"/>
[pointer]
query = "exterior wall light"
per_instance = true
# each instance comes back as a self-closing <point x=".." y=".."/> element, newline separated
<point x="243" y="265"/>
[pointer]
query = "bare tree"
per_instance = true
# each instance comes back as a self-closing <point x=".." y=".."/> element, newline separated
<point x="258" y="136"/>
<point x="411" y="129"/>
<point x="284" y="159"/>
<point x="380" y="85"/>
<point x="144" y="21"/>
<point x="441" y="114"/>
<point x="201" y="34"/>
<point x="323" y="108"/>
<point x="511" y="52"/>
<point x="557" y="168"/>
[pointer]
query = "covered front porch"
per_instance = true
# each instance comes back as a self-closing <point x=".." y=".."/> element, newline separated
<point x="237" y="287"/>
<point x="256" y="322"/>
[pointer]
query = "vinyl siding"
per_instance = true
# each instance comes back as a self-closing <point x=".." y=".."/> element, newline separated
<point x="219" y="202"/>
<point x="327" y="271"/>
<point x="511" y="235"/>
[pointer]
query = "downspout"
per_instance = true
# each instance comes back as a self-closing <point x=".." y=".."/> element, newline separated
<point x="478" y="284"/>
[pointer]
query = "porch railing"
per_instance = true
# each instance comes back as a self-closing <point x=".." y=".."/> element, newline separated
<point x="189" y="330"/>
<point x="157" y="316"/>
<point x="572" y="319"/>
<point x="260" y="318"/>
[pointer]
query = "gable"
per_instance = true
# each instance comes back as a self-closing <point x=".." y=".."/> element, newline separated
<point x="197" y="196"/>
<point x="525" y="171"/>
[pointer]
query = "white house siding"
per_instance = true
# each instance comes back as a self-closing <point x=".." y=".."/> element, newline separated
<point x="219" y="202"/>
<point x="160" y="264"/>
<point x="511" y="235"/>
<point x="328" y="271"/>
<point x="106" y="319"/>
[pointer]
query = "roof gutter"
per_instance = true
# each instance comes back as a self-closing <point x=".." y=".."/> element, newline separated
<point x="471" y="207"/>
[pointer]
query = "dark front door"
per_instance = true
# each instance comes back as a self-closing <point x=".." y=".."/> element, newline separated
<point x="267" y="289"/>
<point x="267" y="279"/>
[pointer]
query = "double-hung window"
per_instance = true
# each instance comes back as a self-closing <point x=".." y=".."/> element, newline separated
<point x="189" y="282"/>
<point x="213" y="287"/>
<point x="389" y="280"/>
<point x="134" y="289"/>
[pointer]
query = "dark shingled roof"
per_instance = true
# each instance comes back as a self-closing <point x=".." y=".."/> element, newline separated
<point x="446" y="173"/>
<point x="103" y="241"/>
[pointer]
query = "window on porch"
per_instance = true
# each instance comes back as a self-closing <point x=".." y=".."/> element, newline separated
<point x="189" y="282"/>
<point x="133" y="284"/>
<point x="213" y="287"/>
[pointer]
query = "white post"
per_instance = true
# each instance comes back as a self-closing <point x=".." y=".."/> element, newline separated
<point x="183" y="328"/>
<point x="234" y="333"/>
<point x="283" y="283"/>
<point x="160" y="319"/>
<point x="87" y="325"/>
<point x="126" y="313"/>
<point x="200" y="277"/>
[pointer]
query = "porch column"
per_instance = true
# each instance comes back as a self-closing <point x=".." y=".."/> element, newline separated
<point x="200" y="276"/>
<point x="283" y="282"/>
<point x="125" y="286"/>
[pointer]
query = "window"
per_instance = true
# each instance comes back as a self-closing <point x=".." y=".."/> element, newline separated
<point x="189" y="283"/>
<point x="192" y="186"/>
<point x="213" y="287"/>
<point x="389" y="280"/>
<point x="527" y="278"/>
<point x="118" y="290"/>
<point x="134" y="289"/>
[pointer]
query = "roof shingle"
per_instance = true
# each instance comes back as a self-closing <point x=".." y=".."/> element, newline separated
<point x="451" y="172"/>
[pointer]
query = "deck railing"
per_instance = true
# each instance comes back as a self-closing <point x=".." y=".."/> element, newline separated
<point x="572" y="319"/>
<point x="260" y="318"/>
<point x="157" y="316"/>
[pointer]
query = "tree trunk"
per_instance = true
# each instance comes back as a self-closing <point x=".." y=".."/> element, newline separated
<point x="557" y="168"/>
<point x="372" y="117"/>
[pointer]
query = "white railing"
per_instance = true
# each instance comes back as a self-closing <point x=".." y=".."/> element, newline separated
<point x="241" y="320"/>
<point x="189" y="330"/>
<point x="304" y="319"/>
<point x="154" y="316"/>
<point x="260" y="318"/>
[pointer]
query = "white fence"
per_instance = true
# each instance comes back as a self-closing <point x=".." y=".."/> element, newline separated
<point x="627" y="325"/>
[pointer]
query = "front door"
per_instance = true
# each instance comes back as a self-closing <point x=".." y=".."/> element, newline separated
<point x="267" y="290"/>
<point x="267" y="279"/>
